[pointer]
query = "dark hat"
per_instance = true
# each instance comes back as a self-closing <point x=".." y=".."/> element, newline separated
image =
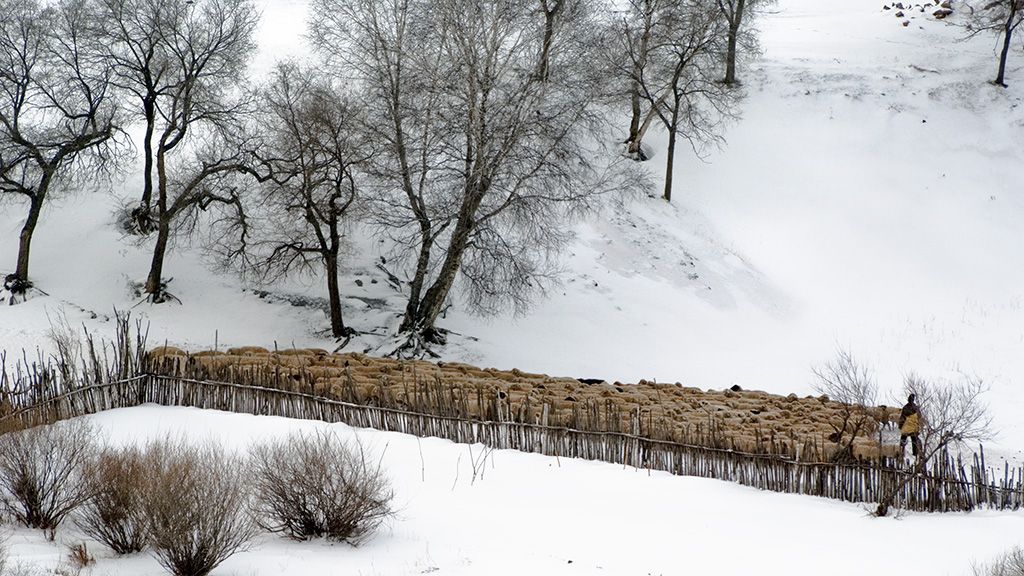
<point x="911" y="398"/>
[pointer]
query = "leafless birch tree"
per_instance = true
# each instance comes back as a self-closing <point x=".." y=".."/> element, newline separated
<point x="492" y="157"/>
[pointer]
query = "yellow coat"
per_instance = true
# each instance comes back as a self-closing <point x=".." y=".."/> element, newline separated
<point x="912" y="425"/>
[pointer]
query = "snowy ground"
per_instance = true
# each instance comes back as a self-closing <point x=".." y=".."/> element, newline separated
<point x="531" y="514"/>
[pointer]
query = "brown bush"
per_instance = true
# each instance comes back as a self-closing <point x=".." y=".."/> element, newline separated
<point x="197" y="506"/>
<point x="316" y="485"/>
<point x="115" y="514"/>
<point x="41" y="472"/>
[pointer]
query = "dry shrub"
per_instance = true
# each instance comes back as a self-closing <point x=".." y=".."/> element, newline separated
<point x="1008" y="564"/>
<point x="115" y="514"/>
<point x="79" y="557"/>
<point x="198" y="507"/>
<point x="317" y="485"/>
<point x="41" y="472"/>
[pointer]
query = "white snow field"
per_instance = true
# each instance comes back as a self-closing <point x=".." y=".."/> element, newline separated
<point x="531" y="514"/>
<point x="870" y="197"/>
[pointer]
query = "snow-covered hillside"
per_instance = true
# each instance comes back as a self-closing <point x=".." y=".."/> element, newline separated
<point x="870" y="197"/>
<point x="530" y="514"/>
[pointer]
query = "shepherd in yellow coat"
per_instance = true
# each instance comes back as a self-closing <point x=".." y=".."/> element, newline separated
<point x="910" y="426"/>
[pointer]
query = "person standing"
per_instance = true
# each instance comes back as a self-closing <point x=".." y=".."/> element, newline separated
<point x="910" y="426"/>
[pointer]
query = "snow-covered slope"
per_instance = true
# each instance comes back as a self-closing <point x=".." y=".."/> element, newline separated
<point x="530" y="514"/>
<point x="870" y="197"/>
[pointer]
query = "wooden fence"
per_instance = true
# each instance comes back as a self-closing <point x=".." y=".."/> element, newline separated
<point x="949" y="484"/>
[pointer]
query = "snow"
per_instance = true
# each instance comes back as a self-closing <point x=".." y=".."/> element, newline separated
<point x="870" y="197"/>
<point x="532" y="514"/>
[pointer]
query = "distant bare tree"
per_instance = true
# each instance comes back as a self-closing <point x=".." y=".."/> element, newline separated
<point x="131" y="38"/>
<point x="57" y="117"/>
<point x="682" y="86"/>
<point x="208" y="43"/>
<point x="850" y="383"/>
<point x="316" y="148"/>
<point x="1001" y="17"/>
<point x="502" y="157"/>
<point x="738" y="36"/>
<point x="953" y="414"/>
<point x="637" y="43"/>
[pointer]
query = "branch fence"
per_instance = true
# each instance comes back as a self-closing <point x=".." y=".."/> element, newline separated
<point x="949" y="484"/>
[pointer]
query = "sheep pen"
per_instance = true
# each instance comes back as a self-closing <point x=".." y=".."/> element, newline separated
<point x="804" y="428"/>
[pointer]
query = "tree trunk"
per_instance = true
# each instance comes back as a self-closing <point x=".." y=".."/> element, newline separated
<point x="734" y="32"/>
<point x="433" y="300"/>
<point x="412" y="308"/>
<point x="671" y="153"/>
<point x="730" y="56"/>
<point x="1007" y="37"/>
<point x="544" y="65"/>
<point x="635" y="148"/>
<point x="636" y="131"/>
<point x="634" y="120"/>
<point x="156" y="267"/>
<point x="25" y="239"/>
<point x="338" y="329"/>
<point x="149" y="108"/>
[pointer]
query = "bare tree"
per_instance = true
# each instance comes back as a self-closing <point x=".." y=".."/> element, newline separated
<point x="953" y="414"/>
<point x="683" y="89"/>
<point x="57" y="119"/>
<point x="736" y="13"/>
<point x="208" y="43"/>
<point x="636" y="44"/>
<point x="851" y="384"/>
<point x="130" y="34"/>
<point x="503" y="155"/>
<point x="315" y="148"/>
<point x="398" y="64"/>
<point x="1001" y="17"/>
<point x="551" y="11"/>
